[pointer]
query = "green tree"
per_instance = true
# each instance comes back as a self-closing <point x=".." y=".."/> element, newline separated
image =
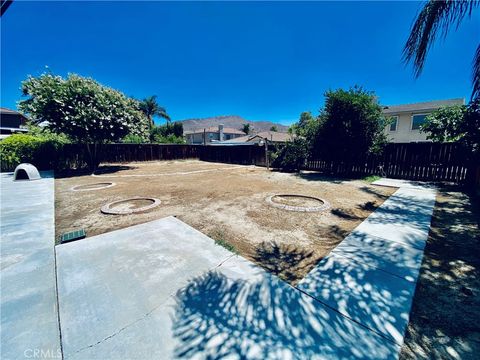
<point x="246" y="128"/>
<point x="350" y="126"/>
<point x="274" y="128"/>
<point x="168" y="133"/>
<point x="84" y="110"/>
<point x="456" y="123"/>
<point x="306" y="126"/>
<point x="150" y="107"/>
<point x="434" y="18"/>
<point x="443" y="124"/>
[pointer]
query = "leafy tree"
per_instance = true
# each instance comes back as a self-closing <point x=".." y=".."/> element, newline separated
<point x="435" y="17"/>
<point x="84" y="110"/>
<point x="274" y="128"/>
<point x="246" y="128"/>
<point x="443" y="125"/>
<point x="165" y="132"/>
<point x="456" y="123"/>
<point x="306" y="126"/>
<point x="150" y="107"/>
<point x="350" y="126"/>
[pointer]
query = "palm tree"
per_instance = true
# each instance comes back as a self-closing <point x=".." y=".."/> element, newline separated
<point x="150" y="108"/>
<point x="435" y="17"/>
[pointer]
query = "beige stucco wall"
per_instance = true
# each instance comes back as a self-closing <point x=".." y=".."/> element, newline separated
<point x="404" y="132"/>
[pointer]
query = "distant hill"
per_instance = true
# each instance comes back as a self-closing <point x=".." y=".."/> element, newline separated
<point x="231" y="121"/>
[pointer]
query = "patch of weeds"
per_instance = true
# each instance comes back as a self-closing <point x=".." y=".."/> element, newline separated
<point x="371" y="178"/>
<point x="219" y="236"/>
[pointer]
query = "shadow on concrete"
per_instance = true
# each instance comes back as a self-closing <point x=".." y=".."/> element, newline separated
<point x="217" y="317"/>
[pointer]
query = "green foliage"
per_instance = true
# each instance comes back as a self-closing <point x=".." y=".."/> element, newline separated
<point x="291" y="156"/>
<point x="168" y="133"/>
<point x="246" y="128"/>
<point x="133" y="139"/>
<point x="307" y="126"/>
<point x="169" y="139"/>
<point x="81" y="108"/>
<point x="36" y="149"/>
<point x="274" y="128"/>
<point x="470" y="127"/>
<point x="350" y="126"/>
<point x="443" y="125"/>
<point x="371" y="178"/>
<point x="218" y="234"/>
<point x="455" y="123"/>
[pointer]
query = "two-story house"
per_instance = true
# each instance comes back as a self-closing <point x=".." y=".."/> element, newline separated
<point x="212" y="134"/>
<point x="407" y="119"/>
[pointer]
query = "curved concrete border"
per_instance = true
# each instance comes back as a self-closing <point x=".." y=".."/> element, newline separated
<point x="109" y="184"/>
<point x="323" y="207"/>
<point x="107" y="209"/>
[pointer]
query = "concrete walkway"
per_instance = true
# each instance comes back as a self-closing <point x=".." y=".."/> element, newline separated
<point x="163" y="290"/>
<point x="371" y="276"/>
<point x="29" y="319"/>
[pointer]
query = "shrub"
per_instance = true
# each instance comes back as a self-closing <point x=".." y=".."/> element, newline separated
<point x="291" y="156"/>
<point x="133" y="139"/>
<point x="164" y="131"/>
<point x="37" y="149"/>
<point x="169" y="139"/>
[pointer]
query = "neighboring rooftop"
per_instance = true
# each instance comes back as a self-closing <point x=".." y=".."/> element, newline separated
<point x="428" y="105"/>
<point x="272" y="136"/>
<point x="214" y="129"/>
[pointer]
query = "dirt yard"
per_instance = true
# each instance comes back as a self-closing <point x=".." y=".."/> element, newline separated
<point x="226" y="202"/>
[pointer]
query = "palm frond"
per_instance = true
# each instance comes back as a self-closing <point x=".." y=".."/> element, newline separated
<point x="435" y="16"/>
<point x="476" y="75"/>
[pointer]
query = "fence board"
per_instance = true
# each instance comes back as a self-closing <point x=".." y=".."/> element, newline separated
<point x="412" y="161"/>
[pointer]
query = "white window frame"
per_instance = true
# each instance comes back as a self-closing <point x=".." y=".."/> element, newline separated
<point x="396" y="127"/>
<point x="411" y="121"/>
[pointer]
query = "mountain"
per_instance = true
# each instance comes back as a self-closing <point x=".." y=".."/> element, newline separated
<point x="230" y="121"/>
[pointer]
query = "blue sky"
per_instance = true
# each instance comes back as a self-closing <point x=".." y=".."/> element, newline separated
<point x="262" y="61"/>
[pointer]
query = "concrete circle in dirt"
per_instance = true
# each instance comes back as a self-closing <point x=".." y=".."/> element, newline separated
<point x="293" y="202"/>
<point x="94" y="186"/>
<point x="130" y="206"/>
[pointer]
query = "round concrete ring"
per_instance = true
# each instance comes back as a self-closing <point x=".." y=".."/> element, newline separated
<point x="323" y="207"/>
<point x="107" y="209"/>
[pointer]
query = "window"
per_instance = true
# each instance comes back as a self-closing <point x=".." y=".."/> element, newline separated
<point x="417" y="121"/>
<point x="394" y="123"/>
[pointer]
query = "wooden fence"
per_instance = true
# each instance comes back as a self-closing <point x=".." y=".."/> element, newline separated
<point x="448" y="162"/>
<point x="413" y="161"/>
<point x="237" y="154"/>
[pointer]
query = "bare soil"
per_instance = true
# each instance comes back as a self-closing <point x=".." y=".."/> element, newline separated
<point x="226" y="202"/>
<point x="445" y="316"/>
